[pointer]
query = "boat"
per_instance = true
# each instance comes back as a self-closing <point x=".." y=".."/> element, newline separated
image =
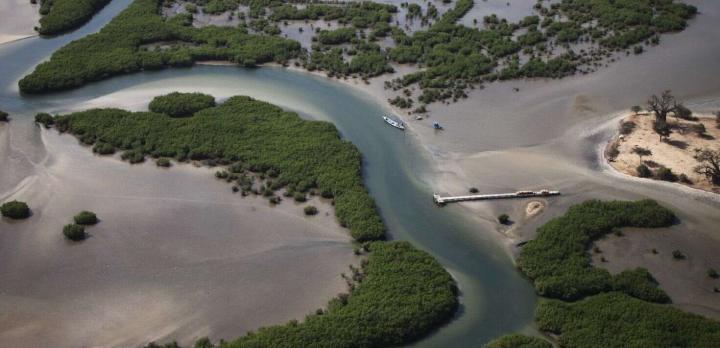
<point x="394" y="123"/>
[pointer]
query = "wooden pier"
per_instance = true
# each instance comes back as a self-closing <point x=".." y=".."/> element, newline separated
<point x="520" y="194"/>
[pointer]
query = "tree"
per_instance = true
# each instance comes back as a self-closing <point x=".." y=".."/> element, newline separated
<point x="636" y="109"/>
<point x="662" y="105"/>
<point x="709" y="165"/>
<point x="699" y="129"/>
<point x="662" y="129"/>
<point x="641" y="152"/>
<point x="15" y="210"/>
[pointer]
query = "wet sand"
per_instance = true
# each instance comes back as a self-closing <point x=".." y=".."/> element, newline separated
<point x="151" y="269"/>
<point x="19" y="17"/>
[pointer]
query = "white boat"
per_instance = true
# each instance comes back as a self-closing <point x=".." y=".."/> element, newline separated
<point x="394" y="123"/>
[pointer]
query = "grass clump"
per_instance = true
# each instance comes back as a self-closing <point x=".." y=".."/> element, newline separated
<point x="74" y="232"/>
<point x="304" y="155"/>
<point x="15" y="210"/>
<point x="86" y="218"/>
<point x="518" y="341"/>
<point x="557" y="260"/>
<point x="181" y="104"/>
<point x="62" y="15"/>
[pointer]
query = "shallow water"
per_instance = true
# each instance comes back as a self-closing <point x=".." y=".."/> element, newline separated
<point x="545" y="136"/>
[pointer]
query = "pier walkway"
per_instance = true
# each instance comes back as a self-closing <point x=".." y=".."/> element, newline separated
<point x="520" y="194"/>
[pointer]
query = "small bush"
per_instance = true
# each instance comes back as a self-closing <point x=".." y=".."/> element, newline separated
<point x="86" y="218"/>
<point x="627" y="127"/>
<point x="15" y="210"/>
<point x="666" y="174"/>
<point x="163" y="162"/>
<point x="74" y="232"/>
<point x="678" y="255"/>
<point x="103" y="149"/>
<point x="300" y="197"/>
<point x="3" y="116"/>
<point x="504" y="219"/>
<point x="474" y="190"/>
<point x="712" y="273"/>
<point x="44" y="119"/>
<point x="518" y="341"/>
<point x="310" y="210"/>
<point x="643" y="171"/>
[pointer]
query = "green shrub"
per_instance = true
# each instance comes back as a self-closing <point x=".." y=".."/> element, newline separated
<point x="181" y="104"/>
<point x="15" y="210"/>
<point x="3" y="116"/>
<point x="666" y="174"/>
<point x="712" y="273"/>
<point x="85" y="218"/>
<point x="504" y="219"/>
<point x="473" y="190"/>
<point x="163" y="162"/>
<point x="643" y="171"/>
<point x="518" y="341"/>
<point x="310" y="210"/>
<point x="74" y="232"/>
<point x="103" y="149"/>
<point x="44" y="119"/>
<point x="64" y="15"/>
<point x="300" y="197"/>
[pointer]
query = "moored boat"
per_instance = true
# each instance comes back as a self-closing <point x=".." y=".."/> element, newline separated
<point x="396" y="124"/>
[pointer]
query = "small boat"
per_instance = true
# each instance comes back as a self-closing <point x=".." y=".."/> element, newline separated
<point x="394" y="123"/>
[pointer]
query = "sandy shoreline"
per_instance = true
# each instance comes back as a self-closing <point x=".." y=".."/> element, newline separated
<point x="676" y="153"/>
<point x="19" y="18"/>
<point x="175" y="235"/>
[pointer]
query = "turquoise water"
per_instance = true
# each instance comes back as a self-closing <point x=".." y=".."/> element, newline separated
<point x="495" y="298"/>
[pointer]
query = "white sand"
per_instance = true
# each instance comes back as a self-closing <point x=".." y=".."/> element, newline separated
<point x="17" y="20"/>
<point x="176" y="255"/>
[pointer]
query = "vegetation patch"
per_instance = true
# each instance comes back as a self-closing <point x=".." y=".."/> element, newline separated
<point x="3" y="116"/>
<point x="181" y="104"/>
<point x="626" y="310"/>
<point x="116" y="49"/>
<point x="62" y="15"/>
<point x="301" y="155"/>
<point x="557" y="259"/>
<point x="618" y="320"/>
<point x="401" y="294"/>
<point x="15" y="210"/>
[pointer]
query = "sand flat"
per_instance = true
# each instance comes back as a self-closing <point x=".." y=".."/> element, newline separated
<point x="17" y="20"/>
<point x="176" y="255"/>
